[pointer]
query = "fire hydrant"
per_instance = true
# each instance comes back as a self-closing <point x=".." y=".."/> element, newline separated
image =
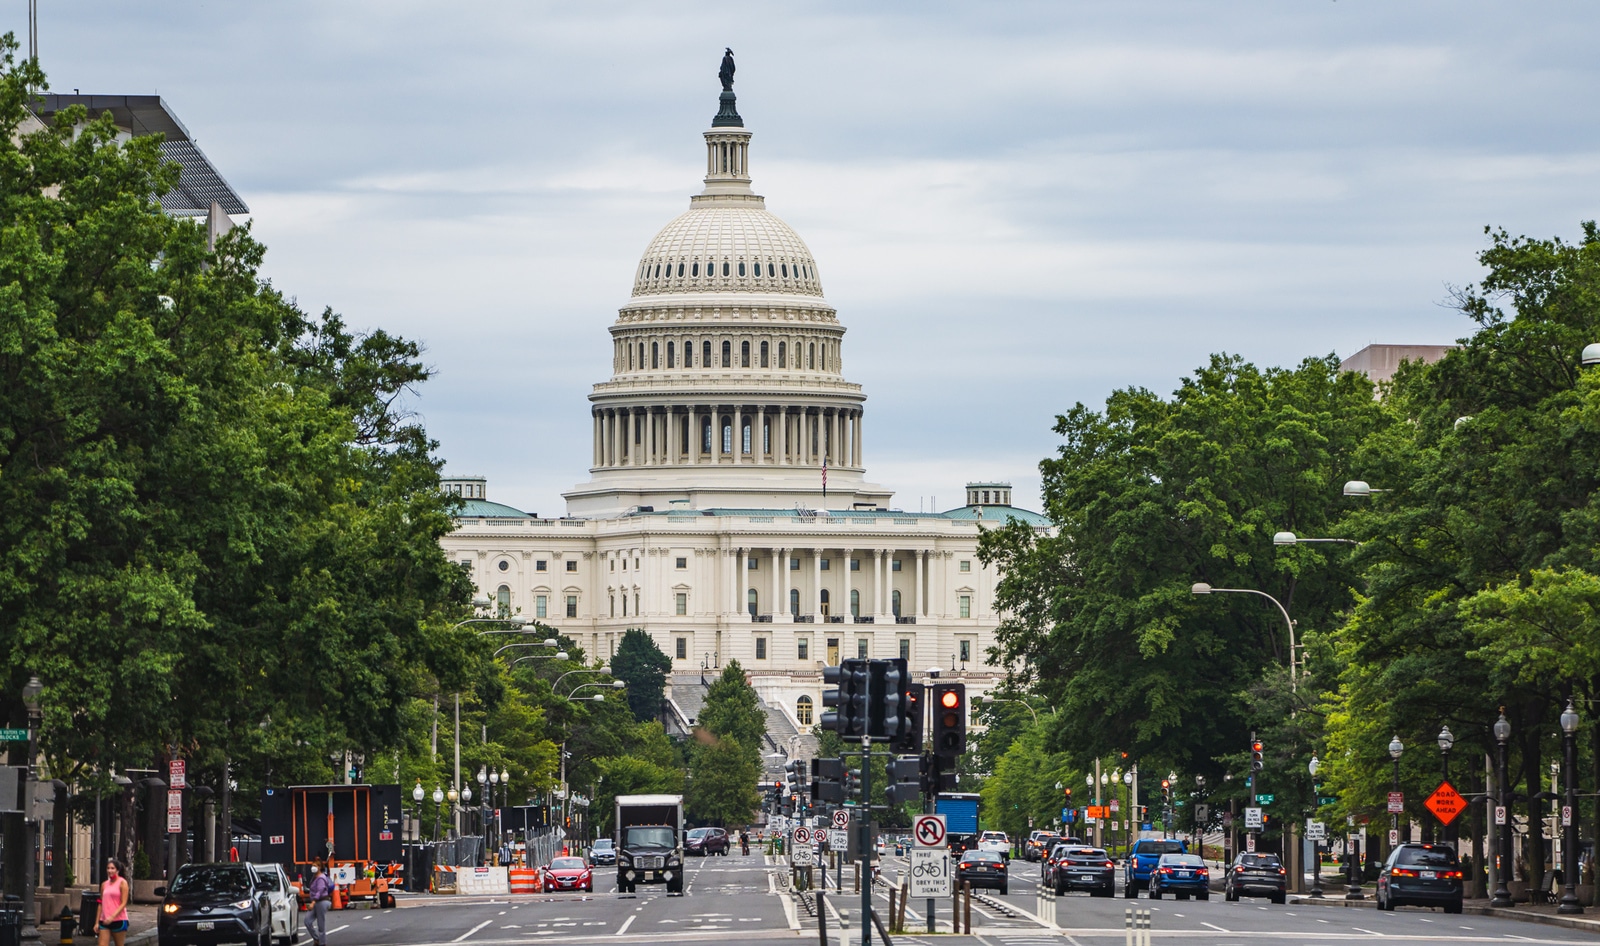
<point x="68" y="921"/>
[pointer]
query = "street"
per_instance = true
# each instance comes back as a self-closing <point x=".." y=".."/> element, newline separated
<point x="737" y="899"/>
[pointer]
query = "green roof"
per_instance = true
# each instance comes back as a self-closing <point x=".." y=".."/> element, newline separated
<point x="483" y="509"/>
<point x="999" y="514"/>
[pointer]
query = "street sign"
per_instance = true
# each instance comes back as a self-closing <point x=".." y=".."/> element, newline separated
<point x="1446" y="803"/>
<point x="1499" y="814"/>
<point x="929" y="831"/>
<point x="1250" y="843"/>
<point x="802" y="835"/>
<point x="1394" y="837"/>
<point x="1068" y="815"/>
<point x="841" y="819"/>
<point x="13" y="735"/>
<point x="1397" y="803"/>
<point x="1201" y="812"/>
<point x="838" y="839"/>
<point x="801" y="854"/>
<point x="1252" y="819"/>
<point x="1266" y="799"/>
<point x="1566" y="816"/>
<point x="1114" y="806"/>
<point x="930" y="872"/>
<point x="1316" y="830"/>
<point x="1095" y="812"/>
<point x="177" y="769"/>
<point x="1326" y="799"/>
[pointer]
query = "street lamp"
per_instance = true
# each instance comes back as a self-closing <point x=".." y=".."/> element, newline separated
<point x="598" y="697"/>
<point x="1446" y="740"/>
<point x="483" y="805"/>
<point x="31" y="692"/>
<point x="1502" y="894"/>
<point x="1289" y="538"/>
<point x="558" y="655"/>
<point x="1360" y="489"/>
<point x="1201" y="588"/>
<point x="1395" y="748"/>
<point x="547" y="642"/>
<point x="979" y="700"/>
<point x="1591" y="354"/>
<point x="438" y="809"/>
<point x="1316" y="845"/>
<point x="417" y="795"/>
<point x="1569" y="813"/>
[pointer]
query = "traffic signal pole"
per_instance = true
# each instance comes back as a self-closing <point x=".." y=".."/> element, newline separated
<point x="866" y="840"/>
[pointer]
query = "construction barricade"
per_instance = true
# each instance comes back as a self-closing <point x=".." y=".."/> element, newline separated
<point x="482" y="880"/>
<point x="444" y="880"/>
<point x="525" y="880"/>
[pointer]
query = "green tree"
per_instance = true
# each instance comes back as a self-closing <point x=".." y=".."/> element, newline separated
<point x="733" y="711"/>
<point x="722" y="786"/>
<point x="640" y="663"/>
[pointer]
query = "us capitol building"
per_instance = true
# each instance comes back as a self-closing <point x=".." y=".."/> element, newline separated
<point x="727" y="511"/>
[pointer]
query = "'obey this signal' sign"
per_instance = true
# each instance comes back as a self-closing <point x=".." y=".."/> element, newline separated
<point x="1446" y="803"/>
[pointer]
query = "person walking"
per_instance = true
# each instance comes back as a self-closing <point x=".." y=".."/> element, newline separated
<point x="321" y="894"/>
<point x="744" y="843"/>
<point x="113" y="906"/>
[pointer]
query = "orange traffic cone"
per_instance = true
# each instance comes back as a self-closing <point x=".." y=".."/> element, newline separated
<point x="338" y="898"/>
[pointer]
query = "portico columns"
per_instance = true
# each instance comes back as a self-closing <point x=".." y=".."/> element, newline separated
<point x="920" y="556"/>
<point x="716" y="434"/>
<point x="848" y="613"/>
<point x="877" y="584"/>
<point x="816" y="583"/>
<point x="758" y="437"/>
<point x="693" y="420"/>
<point x="775" y="607"/>
<point x="783" y="583"/>
<point x="858" y="462"/>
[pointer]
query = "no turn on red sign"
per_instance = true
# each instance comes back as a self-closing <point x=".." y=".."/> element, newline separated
<point x="928" y="831"/>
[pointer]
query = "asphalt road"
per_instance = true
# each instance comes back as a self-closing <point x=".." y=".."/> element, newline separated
<point x="738" y="899"/>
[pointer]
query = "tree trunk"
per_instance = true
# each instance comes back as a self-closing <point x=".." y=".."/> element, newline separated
<point x="1476" y="825"/>
<point x="1533" y="783"/>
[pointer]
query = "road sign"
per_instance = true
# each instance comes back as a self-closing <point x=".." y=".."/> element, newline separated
<point x="1397" y="802"/>
<point x="838" y="839"/>
<point x="1394" y="837"/>
<point x="1114" y="806"/>
<point x="801" y="853"/>
<point x="1446" y="803"/>
<point x="1252" y="819"/>
<point x="1095" y="812"/>
<point x="13" y="735"/>
<point x="1201" y="812"/>
<point x="1068" y="815"/>
<point x="1250" y="843"/>
<point x="1266" y="799"/>
<point x="177" y="769"/>
<point x="841" y="819"/>
<point x="1326" y="799"/>
<point x="1316" y="830"/>
<point x="1499" y="814"/>
<point x="929" y="831"/>
<point x="930" y="872"/>
<point x="802" y="835"/>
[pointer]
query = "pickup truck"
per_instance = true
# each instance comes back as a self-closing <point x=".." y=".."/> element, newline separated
<point x="649" y="842"/>
<point x="1142" y="859"/>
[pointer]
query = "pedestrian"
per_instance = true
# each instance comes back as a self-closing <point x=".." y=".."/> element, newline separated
<point x="744" y="843"/>
<point x="114" y="905"/>
<point x="321" y="894"/>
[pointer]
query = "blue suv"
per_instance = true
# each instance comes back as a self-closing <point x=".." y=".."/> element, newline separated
<point x="1143" y="858"/>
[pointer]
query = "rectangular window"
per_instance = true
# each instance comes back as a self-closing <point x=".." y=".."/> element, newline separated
<point x="682" y="563"/>
<point x="966" y="650"/>
<point x="613" y="564"/>
<point x="683" y="603"/>
<point x="540" y="606"/>
<point x="803" y="648"/>
<point x="466" y="565"/>
<point x="761" y="648"/>
<point x="683" y="648"/>
<point x="624" y="605"/>
<point x="966" y="565"/>
<point x="613" y="605"/>
<point x="905" y="648"/>
<point x="572" y="606"/>
<point x="636" y="605"/>
<point x="794" y="564"/>
<point x="572" y="566"/>
<point x="824" y="564"/>
<point x="855" y="564"/>
<point x="894" y="564"/>
<point x="861" y="648"/>
<point x="755" y="563"/>
<point x="539" y="566"/>
<point x="965" y="603"/>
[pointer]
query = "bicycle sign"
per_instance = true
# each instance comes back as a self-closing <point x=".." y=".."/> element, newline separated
<point x="930" y="872"/>
<point x="928" y="831"/>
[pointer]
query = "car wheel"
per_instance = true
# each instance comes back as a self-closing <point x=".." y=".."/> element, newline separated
<point x="1129" y="893"/>
<point x="1453" y="907"/>
<point x="1004" y="888"/>
<point x="1229" y="894"/>
<point x="1155" y="893"/>
<point x="1203" y="896"/>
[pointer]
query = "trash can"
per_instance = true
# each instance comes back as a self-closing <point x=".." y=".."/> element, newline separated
<point x="89" y="913"/>
<point x="11" y="923"/>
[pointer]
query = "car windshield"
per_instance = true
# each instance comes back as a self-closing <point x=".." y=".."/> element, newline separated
<point x="987" y="857"/>
<point x="604" y="844"/>
<point x="220" y="881"/>
<point x="994" y="835"/>
<point x="648" y="836"/>
<point x="1427" y="857"/>
<point x="698" y="833"/>
<point x="1182" y="860"/>
<point x="567" y="863"/>
<point x="1158" y="847"/>
<point x="1259" y="860"/>
<point x="1087" y="853"/>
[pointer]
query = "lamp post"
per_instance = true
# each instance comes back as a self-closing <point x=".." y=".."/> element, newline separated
<point x="438" y="809"/>
<point x="455" y="799"/>
<point x="1132" y="813"/>
<point x="1201" y="588"/>
<point x="1447" y="739"/>
<point x="31" y="691"/>
<point x="1569" y="814"/>
<point x="1395" y="748"/>
<point x="980" y="700"/>
<point x="417" y="795"/>
<point x="1502" y="854"/>
<point x="1316" y="845"/>
<point x="483" y="808"/>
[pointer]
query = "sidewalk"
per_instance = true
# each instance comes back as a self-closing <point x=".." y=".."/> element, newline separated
<point x="141" y="928"/>
<point x="1545" y="913"/>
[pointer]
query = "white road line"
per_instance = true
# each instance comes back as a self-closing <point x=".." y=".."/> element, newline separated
<point x="1213" y="926"/>
<point x="471" y="931"/>
<point x="338" y="928"/>
<point x="1360" y="930"/>
<point x="627" y="923"/>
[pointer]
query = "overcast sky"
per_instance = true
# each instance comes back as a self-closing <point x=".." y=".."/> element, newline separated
<point x="1014" y="206"/>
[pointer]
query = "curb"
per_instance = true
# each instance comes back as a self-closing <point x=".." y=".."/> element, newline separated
<point x="1569" y="922"/>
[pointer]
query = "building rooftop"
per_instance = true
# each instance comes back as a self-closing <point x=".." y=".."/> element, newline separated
<point x="998" y="514"/>
<point x="484" y="509"/>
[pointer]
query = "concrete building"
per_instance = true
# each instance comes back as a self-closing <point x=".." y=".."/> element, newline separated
<point x="1380" y="362"/>
<point x="727" y="510"/>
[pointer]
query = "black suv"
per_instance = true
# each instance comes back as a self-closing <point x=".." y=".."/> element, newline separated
<point x="1255" y="875"/>
<point x="214" y="903"/>
<point x="1083" y="868"/>
<point x="1426" y="875"/>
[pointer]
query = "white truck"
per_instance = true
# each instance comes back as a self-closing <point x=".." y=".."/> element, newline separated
<point x="649" y="839"/>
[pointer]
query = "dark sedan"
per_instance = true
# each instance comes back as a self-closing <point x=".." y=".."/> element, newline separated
<point x="983" y="869"/>
<point x="1255" y="875"/>
<point x="214" y="903"/>
<point x="705" y="841"/>
<point x="1182" y="875"/>
<point x="1425" y="875"/>
<point x="1084" y="868"/>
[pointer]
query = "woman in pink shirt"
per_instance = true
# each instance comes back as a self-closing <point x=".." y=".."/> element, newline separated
<point x="113" y="906"/>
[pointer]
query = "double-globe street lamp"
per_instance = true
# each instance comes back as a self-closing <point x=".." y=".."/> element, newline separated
<point x="1502" y="856"/>
<point x="1316" y="844"/>
<point x="1447" y="739"/>
<point x="1569" y="814"/>
<point x="1395" y="748"/>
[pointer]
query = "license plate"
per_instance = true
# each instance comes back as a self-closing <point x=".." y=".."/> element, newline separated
<point x="206" y="925"/>
<point x="1429" y="875"/>
<point x="1183" y="873"/>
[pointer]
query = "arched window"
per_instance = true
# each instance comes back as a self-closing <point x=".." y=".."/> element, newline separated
<point x="824" y="602"/>
<point x="727" y="435"/>
<point x="785" y="270"/>
<point x="655" y="354"/>
<point x="794" y="601"/>
<point x="658" y="270"/>
<point x="744" y="436"/>
<point x="741" y="267"/>
<point x="756" y="270"/>
<point x="694" y="270"/>
<point x="705" y="354"/>
<point x="727" y="354"/>
<point x="744" y="354"/>
<point x="750" y="601"/>
<point x="802" y="711"/>
<point x="624" y="605"/>
<point x="685" y="436"/>
<point x="811" y="356"/>
<point x="705" y="435"/>
<point x="783" y="354"/>
<point x="855" y="602"/>
<point x="502" y="601"/>
<point x="724" y="267"/>
<point x="630" y="357"/>
<point x="670" y="362"/>
<point x="771" y="271"/>
<point x="894" y="601"/>
<point x="763" y="354"/>
<point x="680" y="269"/>
<point x="641" y="356"/>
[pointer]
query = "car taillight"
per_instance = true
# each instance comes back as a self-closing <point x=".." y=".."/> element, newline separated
<point x="1451" y="875"/>
<point x="1109" y="864"/>
<point x="1402" y="872"/>
<point x="1282" y="871"/>
<point x="1166" y="870"/>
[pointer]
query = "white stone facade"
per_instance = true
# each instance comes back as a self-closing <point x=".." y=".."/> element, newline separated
<point x="705" y="520"/>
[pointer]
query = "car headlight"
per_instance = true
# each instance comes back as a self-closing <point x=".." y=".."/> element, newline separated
<point x="625" y="860"/>
<point x="169" y="908"/>
<point x="672" y="860"/>
<point x="241" y="904"/>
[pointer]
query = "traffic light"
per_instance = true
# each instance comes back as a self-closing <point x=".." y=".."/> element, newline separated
<point x="889" y="701"/>
<point x="847" y="703"/>
<point x="1256" y="762"/>
<point x="905" y="780"/>
<point x="949" y="721"/>
<point x="827" y="783"/>
<point x="1067" y="791"/>
<point x="852" y="784"/>
<point x="911" y="730"/>
<point x="1166" y="793"/>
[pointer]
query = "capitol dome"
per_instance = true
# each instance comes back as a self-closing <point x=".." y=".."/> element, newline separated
<point x="727" y="246"/>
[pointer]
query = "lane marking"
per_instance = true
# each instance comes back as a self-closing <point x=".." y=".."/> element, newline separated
<point x="1361" y="930"/>
<point x="1214" y="926"/>
<point x="626" y="923"/>
<point x="471" y="931"/>
<point x="337" y="929"/>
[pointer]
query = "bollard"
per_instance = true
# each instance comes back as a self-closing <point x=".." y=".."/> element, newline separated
<point x="894" y="927"/>
<point x="822" y="917"/>
<point x="844" y="919"/>
<point x="68" y="921"/>
<point x="966" y="890"/>
<point x="1142" y="921"/>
